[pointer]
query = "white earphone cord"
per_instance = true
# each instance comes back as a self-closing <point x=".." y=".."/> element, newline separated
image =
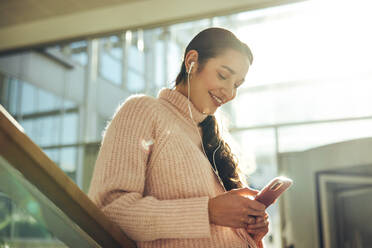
<point x="238" y="232"/>
<point x="219" y="144"/>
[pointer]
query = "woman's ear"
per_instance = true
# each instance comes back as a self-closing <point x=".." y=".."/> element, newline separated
<point x="191" y="61"/>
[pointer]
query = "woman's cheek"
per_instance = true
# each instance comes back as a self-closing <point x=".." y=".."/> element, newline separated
<point x="213" y="83"/>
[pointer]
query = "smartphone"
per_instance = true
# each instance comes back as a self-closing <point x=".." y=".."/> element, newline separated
<point x="273" y="190"/>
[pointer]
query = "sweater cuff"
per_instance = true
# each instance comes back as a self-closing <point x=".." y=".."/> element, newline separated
<point x="187" y="220"/>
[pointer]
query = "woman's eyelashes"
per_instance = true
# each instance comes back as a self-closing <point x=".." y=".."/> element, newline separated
<point x="222" y="76"/>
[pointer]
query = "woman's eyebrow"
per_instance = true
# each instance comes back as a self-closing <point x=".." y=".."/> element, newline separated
<point x="229" y="69"/>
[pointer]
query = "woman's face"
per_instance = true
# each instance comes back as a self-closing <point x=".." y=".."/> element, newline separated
<point x="217" y="82"/>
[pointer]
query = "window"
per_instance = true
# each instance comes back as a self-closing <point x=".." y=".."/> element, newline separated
<point x="78" y="52"/>
<point x="28" y="99"/>
<point x="69" y="128"/>
<point x="111" y="65"/>
<point x="47" y="119"/>
<point x="136" y="63"/>
<point x="68" y="160"/>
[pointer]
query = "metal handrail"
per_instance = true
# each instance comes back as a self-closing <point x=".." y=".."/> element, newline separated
<point x="39" y="170"/>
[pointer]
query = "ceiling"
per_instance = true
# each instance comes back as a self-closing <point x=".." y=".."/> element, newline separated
<point x="26" y="24"/>
<point x="13" y="12"/>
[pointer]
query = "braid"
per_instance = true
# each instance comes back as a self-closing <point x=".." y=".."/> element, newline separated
<point x="225" y="160"/>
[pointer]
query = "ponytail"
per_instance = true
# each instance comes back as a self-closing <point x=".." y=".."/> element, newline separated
<point x="225" y="160"/>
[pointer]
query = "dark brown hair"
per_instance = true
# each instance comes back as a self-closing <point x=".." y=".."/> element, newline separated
<point x="210" y="43"/>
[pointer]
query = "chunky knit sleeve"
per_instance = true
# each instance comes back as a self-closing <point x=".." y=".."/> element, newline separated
<point x="119" y="179"/>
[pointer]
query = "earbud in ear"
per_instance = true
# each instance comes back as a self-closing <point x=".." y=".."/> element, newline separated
<point x="191" y="65"/>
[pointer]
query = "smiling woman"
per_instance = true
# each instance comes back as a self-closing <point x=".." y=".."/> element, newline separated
<point x="163" y="172"/>
<point x="214" y="72"/>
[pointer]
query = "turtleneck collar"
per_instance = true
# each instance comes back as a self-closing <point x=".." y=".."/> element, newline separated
<point x="178" y="100"/>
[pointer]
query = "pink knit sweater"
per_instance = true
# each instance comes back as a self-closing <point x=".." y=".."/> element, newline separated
<point x="152" y="178"/>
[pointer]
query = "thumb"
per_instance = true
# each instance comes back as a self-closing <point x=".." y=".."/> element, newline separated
<point x="246" y="192"/>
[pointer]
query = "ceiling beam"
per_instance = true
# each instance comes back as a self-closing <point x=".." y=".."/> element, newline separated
<point x="96" y="22"/>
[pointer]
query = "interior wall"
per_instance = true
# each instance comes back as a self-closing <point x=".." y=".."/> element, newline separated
<point x="300" y="202"/>
<point x="354" y="216"/>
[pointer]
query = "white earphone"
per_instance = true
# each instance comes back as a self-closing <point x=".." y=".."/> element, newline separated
<point x="191" y="65"/>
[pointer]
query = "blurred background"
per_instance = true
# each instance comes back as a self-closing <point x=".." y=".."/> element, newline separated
<point x="305" y="110"/>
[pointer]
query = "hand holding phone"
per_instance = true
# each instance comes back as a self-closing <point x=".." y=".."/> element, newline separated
<point x="273" y="190"/>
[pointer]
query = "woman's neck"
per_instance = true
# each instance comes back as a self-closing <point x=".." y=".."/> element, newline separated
<point x="182" y="88"/>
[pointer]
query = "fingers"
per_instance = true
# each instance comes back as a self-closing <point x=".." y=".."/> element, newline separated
<point x="261" y="227"/>
<point x="261" y="231"/>
<point x="255" y="229"/>
<point x="249" y="203"/>
<point x="254" y="205"/>
<point x="249" y="211"/>
<point x="254" y="208"/>
<point x="245" y="192"/>
<point x="256" y="225"/>
<point x="248" y="220"/>
<point x="253" y="222"/>
<point x="261" y="219"/>
<point x="259" y="236"/>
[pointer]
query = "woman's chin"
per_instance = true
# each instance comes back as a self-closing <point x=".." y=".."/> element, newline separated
<point x="209" y="111"/>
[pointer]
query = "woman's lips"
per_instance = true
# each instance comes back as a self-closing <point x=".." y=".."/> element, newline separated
<point x="215" y="101"/>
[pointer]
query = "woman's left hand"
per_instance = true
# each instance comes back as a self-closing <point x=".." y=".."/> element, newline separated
<point x="259" y="229"/>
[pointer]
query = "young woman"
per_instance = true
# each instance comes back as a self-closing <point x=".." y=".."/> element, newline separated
<point x="163" y="172"/>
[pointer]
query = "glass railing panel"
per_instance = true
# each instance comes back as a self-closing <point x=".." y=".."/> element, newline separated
<point x="30" y="217"/>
